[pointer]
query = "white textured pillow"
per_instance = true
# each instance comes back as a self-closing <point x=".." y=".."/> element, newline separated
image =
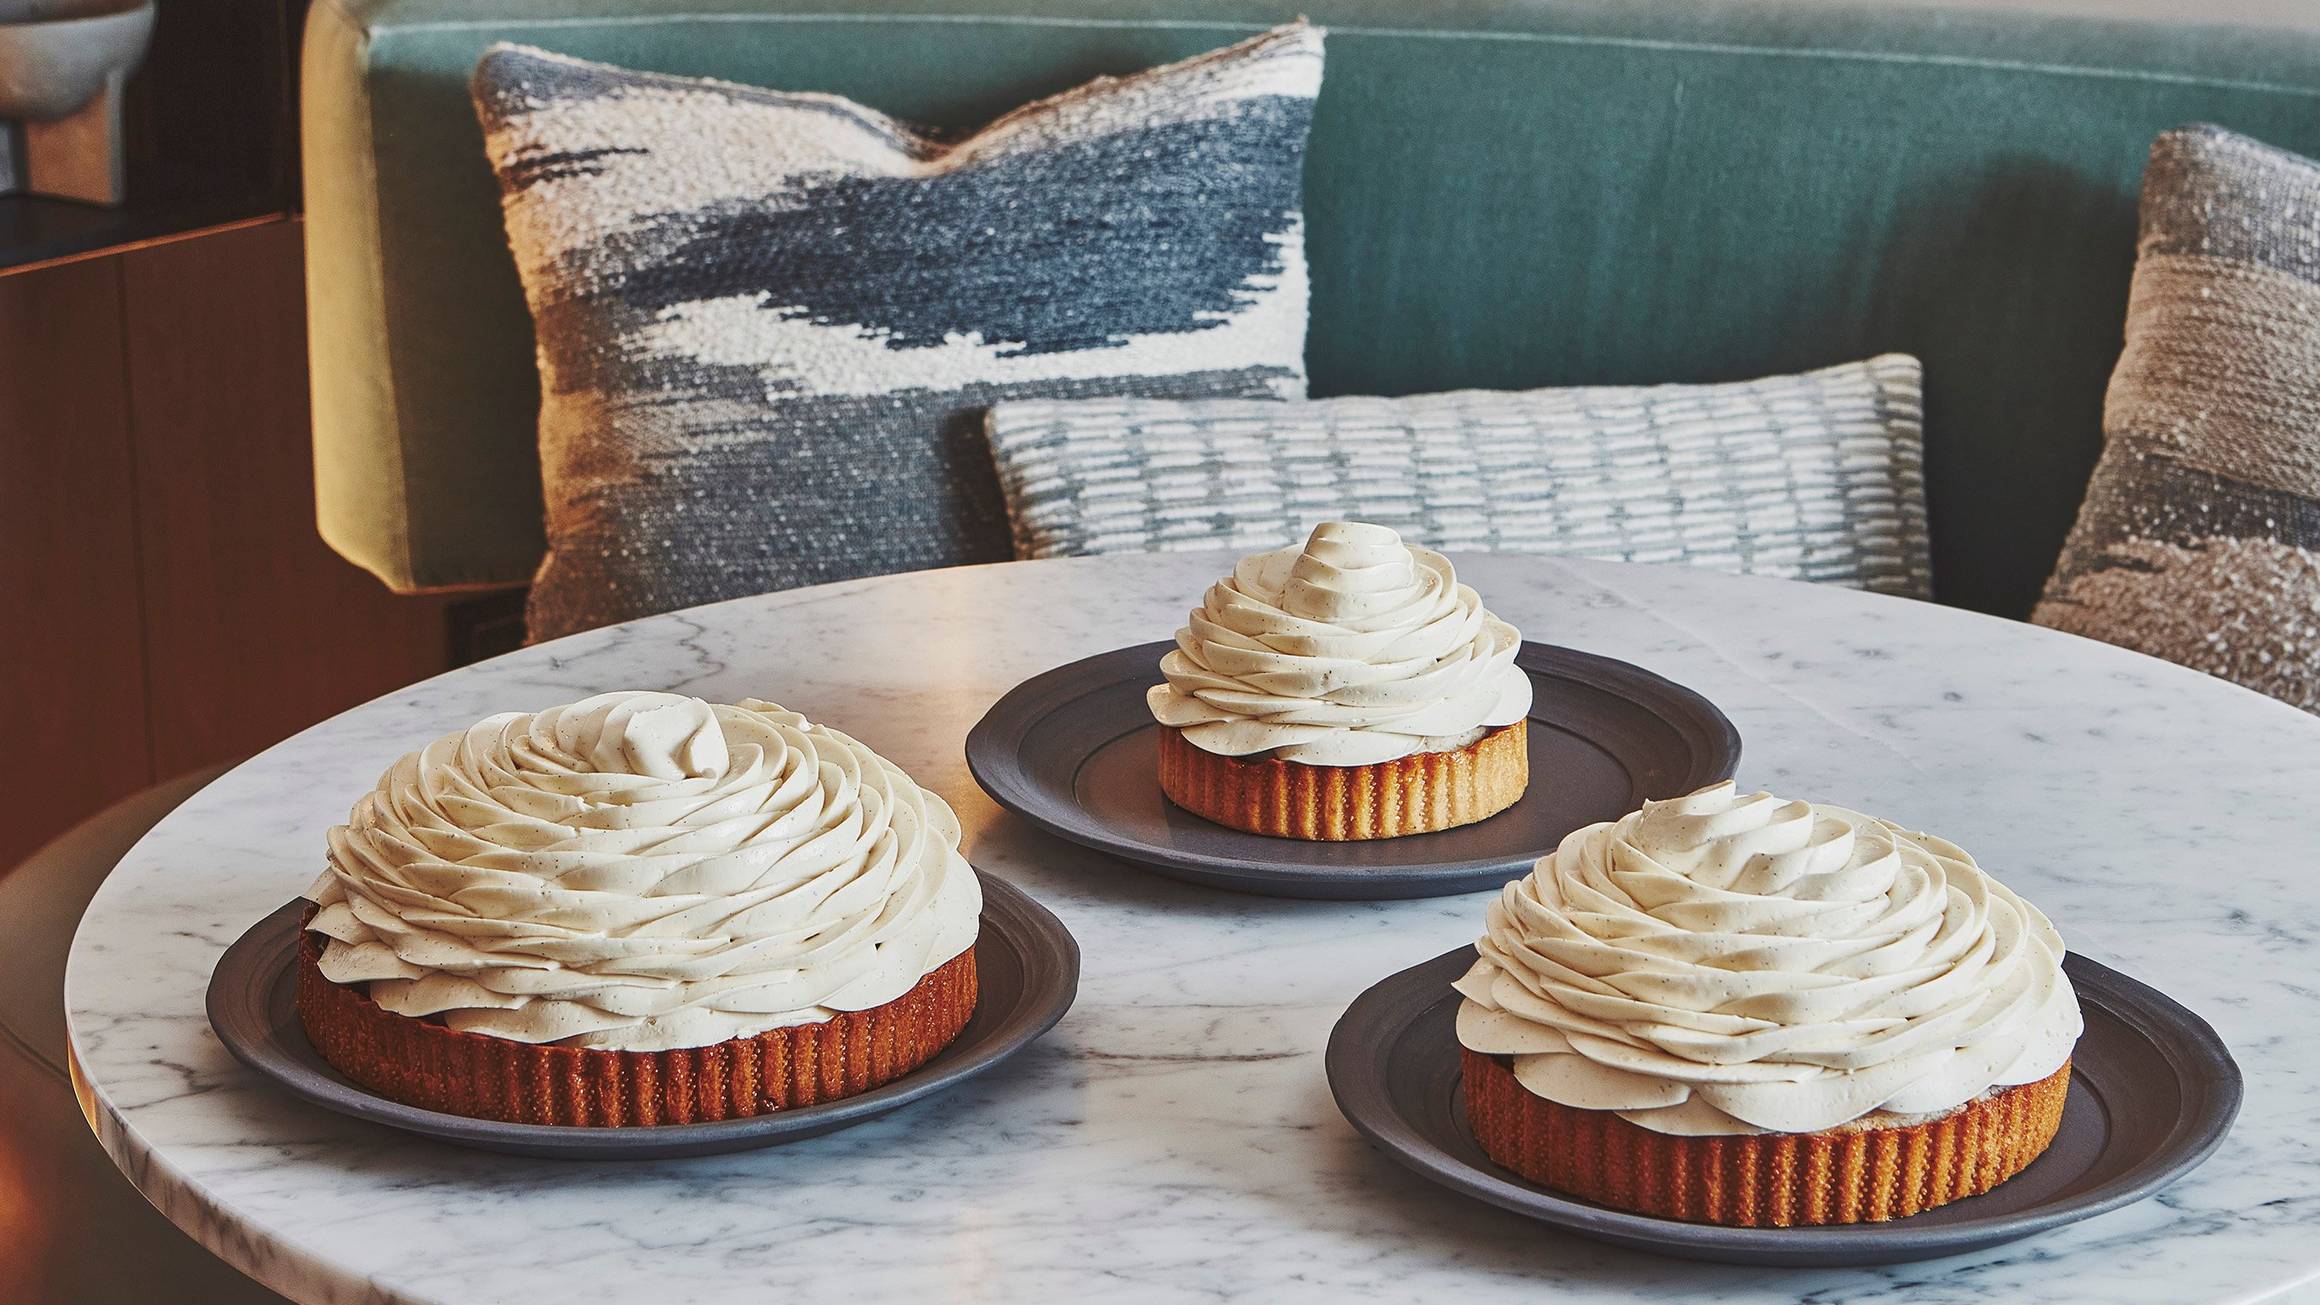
<point x="1812" y="477"/>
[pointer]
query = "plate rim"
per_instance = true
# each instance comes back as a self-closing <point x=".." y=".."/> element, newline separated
<point x="2219" y="1089"/>
<point x="1028" y="925"/>
<point x="993" y="750"/>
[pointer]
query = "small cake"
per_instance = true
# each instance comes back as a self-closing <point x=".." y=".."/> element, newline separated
<point x="639" y="909"/>
<point x="1347" y="689"/>
<point x="1748" y="1011"/>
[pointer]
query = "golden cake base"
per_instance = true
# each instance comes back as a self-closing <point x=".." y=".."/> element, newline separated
<point x="1417" y="794"/>
<point x="421" y="1063"/>
<point x="1762" y="1180"/>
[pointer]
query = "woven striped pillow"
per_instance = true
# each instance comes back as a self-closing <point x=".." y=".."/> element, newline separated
<point x="1812" y="477"/>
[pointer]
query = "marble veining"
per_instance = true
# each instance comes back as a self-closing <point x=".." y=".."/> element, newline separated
<point x="1174" y="1139"/>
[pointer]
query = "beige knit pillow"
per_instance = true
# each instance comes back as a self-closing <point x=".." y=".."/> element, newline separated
<point x="2200" y="538"/>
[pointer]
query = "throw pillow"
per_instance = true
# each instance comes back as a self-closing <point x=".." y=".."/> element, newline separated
<point x="2199" y="540"/>
<point x="768" y="322"/>
<point x="1815" y="477"/>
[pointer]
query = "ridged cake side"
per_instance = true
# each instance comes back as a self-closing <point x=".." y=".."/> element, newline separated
<point x="424" y="1064"/>
<point x="1416" y="794"/>
<point x="1762" y="1180"/>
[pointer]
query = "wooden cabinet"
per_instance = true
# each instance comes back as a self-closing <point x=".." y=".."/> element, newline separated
<point x="164" y="598"/>
<point x="72" y="657"/>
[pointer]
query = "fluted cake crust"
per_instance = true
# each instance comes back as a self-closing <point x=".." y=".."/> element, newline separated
<point x="1762" y="1180"/>
<point x="1417" y="794"/>
<point x="421" y="1063"/>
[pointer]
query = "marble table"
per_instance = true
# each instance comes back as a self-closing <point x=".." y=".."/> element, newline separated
<point x="1173" y="1138"/>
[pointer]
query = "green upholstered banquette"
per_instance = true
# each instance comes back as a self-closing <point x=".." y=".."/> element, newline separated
<point x="1500" y="193"/>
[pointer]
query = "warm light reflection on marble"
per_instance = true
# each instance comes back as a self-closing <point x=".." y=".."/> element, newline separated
<point x="19" y="1224"/>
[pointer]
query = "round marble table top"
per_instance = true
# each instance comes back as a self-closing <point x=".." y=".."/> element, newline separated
<point x="1173" y="1138"/>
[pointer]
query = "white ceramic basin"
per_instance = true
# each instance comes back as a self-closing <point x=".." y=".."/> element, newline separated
<point x="57" y="55"/>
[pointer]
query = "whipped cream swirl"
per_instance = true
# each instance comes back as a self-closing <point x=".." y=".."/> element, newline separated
<point x="1352" y="650"/>
<point x="1721" y="964"/>
<point x="642" y="872"/>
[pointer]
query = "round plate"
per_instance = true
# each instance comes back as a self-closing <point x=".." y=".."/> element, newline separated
<point x="1076" y="752"/>
<point x="2152" y="1091"/>
<point x="1026" y="964"/>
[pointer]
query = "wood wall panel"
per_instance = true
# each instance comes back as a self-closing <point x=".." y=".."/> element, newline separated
<point x="254" y="628"/>
<point x="71" y="677"/>
<point x="165" y="602"/>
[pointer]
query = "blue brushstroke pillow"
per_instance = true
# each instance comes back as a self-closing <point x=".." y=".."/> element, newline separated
<point x="768" y="322"/>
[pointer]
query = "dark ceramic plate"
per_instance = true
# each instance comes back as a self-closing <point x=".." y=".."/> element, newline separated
<point x="2152" y="1091"/>
<point x="1076" y="752"/>
<point x="1026" y="963"/>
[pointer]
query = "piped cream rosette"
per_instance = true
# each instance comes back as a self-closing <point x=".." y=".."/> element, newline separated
<point x="1351" y="650"/>
<point x="1730" y="964"/>
<point x="641" y="872"/>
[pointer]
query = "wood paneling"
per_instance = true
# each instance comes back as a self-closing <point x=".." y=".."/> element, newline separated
<point x="165" y="602"/>
<point x="254" y="629"/>
<point x="73" y="685"/>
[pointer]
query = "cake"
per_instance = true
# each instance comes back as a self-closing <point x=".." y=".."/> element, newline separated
<point x="1350" y="688"/>
<point x="639" y="909"/>
<point x="1749" y="1011"/>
